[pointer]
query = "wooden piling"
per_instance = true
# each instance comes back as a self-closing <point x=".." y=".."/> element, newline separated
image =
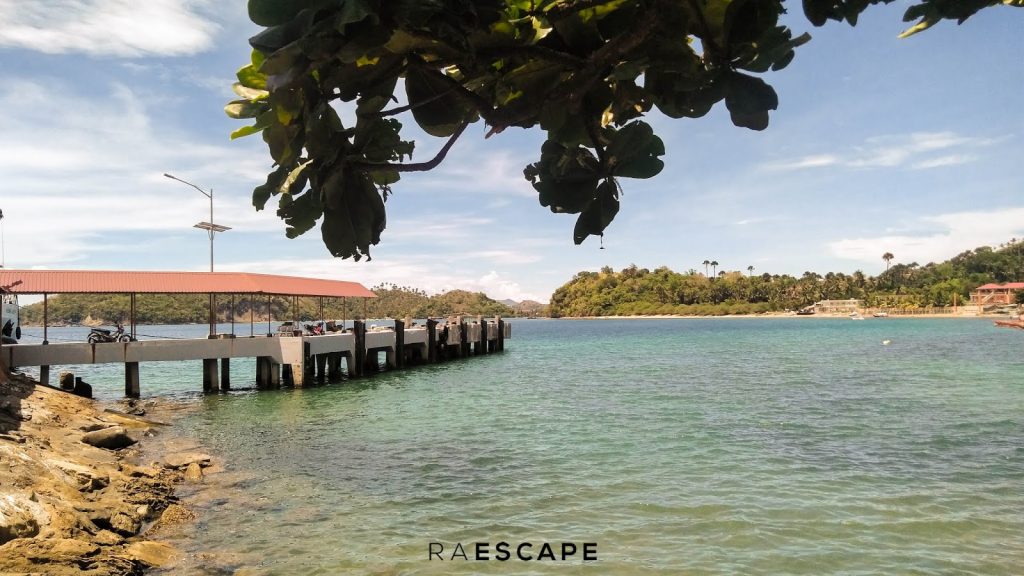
<point x="132" y="388"/>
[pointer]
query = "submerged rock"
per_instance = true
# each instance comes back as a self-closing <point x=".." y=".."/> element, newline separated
<point x="183" y="459"/>
<point x="112" y="438"/>
<point x="155" y="554"/>
<point x="194" y="473"/>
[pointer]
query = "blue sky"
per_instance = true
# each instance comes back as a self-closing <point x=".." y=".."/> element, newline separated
<point x="908" y="146"/>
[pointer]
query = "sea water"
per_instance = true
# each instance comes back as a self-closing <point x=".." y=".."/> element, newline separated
<point x="689" y="446"/>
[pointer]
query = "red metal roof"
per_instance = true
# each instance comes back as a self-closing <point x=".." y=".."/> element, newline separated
<point x="127" y="282"/>
<point x="1009" y="285"/>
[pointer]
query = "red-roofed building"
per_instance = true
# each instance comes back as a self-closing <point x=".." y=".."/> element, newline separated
<point x="996" y="294"/>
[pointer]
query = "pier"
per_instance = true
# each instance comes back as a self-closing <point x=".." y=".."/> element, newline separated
<point x="290" y="358"/>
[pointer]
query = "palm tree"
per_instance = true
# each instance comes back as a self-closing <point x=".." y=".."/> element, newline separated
<point x="888" y="258"/>
<point x="750" y="270"/>
<point x="705" y="263"/>
<point x="714" y="266"/>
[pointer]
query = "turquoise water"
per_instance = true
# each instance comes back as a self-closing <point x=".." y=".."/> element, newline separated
<point x="725" y="446"/>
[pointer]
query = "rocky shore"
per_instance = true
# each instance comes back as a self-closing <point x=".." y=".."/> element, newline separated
<point x="81" y="491"/>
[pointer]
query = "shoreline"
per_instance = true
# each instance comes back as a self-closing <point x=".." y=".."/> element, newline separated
<point x="779" y="316"/>
<point x="88" y="485"/>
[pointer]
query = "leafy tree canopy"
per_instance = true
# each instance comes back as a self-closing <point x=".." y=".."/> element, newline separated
<point x="584" y="71"/>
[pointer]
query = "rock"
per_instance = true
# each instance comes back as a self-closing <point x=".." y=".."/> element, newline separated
<point x="20" y="517"/>
<point x="154" y="554"/>
<point x="194" y="473"/>
<point x="183" y="459"/>
<point x="140" y="471"/>
<point x="67" y="381"/>
<point x="176" y="514"/>
<point x="82" y="389"/>
<point x="112" y="438"/>
<point x="125" y="524"/>
<point x="82" y="477"/>
<point x="94" y="427"/>
<point x="108" y="538"/>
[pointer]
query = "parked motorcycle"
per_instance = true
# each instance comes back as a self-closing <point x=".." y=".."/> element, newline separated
<point x="314" y="329"/>
<point x="98" y="335"/>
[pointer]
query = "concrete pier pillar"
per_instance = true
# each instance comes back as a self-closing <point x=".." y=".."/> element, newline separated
<point x="210" y="383"/>
<point x="431" y="341"/>
<point x="481" y="344"/>
<point x="334" y="366"/>
<point x="225" y="374"/>
<point x="262" y="373"/>
<point x="463" y="338"/>
<point x="132" y="388"/>
<point x="359" y="330"/>
<point x="274" y="369"/>
<point x="350" y="367"/>
<point x="44" y="375"/>
<point x="399" y="352"/>
<point x="321" y="367"/>
<point x="501" y="334"/>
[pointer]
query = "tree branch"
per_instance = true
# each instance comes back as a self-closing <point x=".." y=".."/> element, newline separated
<point x="417" y="167"/>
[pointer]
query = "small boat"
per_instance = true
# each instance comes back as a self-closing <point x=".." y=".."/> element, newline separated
<point x="808" y="311"/>
<point x="856" y="316"/>
<point x="1010" y="324"/>
<point x="881" y="314"/>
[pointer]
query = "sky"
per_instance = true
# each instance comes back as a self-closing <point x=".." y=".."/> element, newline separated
<point x="879" y="145"/>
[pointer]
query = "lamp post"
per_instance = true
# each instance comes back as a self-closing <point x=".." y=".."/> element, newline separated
<point x="211" y="230"/>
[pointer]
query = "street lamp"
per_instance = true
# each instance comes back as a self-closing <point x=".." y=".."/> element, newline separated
<point x="211" y="230"/>
<point x="210" y="227"/>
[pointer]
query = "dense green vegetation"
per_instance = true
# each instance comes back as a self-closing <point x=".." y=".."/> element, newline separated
<point x="639" y="291"/>
<point x="391" y="302"/>
<point x="586" y="72"/>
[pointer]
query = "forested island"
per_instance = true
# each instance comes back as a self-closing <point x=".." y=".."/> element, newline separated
<point x="392" y="301"/>
<point x="638" y="291"/>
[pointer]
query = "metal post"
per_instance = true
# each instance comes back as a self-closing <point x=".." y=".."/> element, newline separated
<point x="232" y="314"/>
<point x="270" y="315"/>
<point x="252" y="318"/>
<point x="46" y="321"/>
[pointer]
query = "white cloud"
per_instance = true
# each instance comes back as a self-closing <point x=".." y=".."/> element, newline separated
<point x="123" y="28"/>
<point x="958" y="231"/>
<point x="411" y="271"/>
<point x="917" y="150"/>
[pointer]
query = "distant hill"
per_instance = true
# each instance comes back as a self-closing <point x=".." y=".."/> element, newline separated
<point x="391" y="302"/>
<point x="639" y="291"/>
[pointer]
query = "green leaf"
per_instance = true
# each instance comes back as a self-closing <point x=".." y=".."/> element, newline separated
<point x="264" y="120"/>
<point x="633" y="152"/>
<point x="437" y="110"/>
<point x="263" y="192"/>
<point x="749" y="99"/>
<point x="241" y="109"/>
<point x="277" y="12"/>
<point x="248" y="93"/>
<point x="599" y="213"/>
<point x="250" y="77"/>
<point x="354" y="217"/>
<point x="296" y="179"/>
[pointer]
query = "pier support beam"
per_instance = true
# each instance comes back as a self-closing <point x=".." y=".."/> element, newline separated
<point x="501" y="333"/>
<point x="210" y="383"/>
<point x="132" y="388"/>
<point x="275" y="373"/>
<point x="463" y="338"/>
<point x="44" y="375"/>
<point x="431" y="341"/>
<point x="225" y="374"/>
<point x="321" y="368"/>
<point x="481" y="344"/>
<point x="359" y="330"/>
<point x="334" y="366"/>
<point x="399" y="361"/>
